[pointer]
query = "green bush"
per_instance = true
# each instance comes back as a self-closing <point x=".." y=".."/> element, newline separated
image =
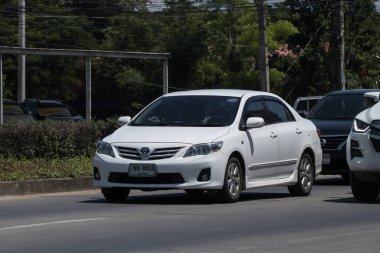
<point x="43" y="168"/>
<point x="52" y="139"/>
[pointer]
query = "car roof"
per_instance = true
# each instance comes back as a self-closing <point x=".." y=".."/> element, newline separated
<point x="309" y="97"/>
<point x="351" y="92"/>
<point x="45" y="101"/>
<point x="219" y="92"/>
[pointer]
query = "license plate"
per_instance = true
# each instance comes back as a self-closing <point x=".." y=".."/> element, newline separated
<point x="326" y="159"/>
<point x="142" y="170"/>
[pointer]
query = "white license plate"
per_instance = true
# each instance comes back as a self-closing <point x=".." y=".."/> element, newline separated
<point x="326" y="159"/>
<point x="142" y="170"/>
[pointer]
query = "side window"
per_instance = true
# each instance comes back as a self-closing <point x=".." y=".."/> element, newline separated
<point x="256" y="108"/>
<point x="301" y="105"/>
<point x="278" y="112"/>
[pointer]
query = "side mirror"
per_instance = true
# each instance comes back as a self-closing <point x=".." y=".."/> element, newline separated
<point x="123" y="120"/>
<point x="254" y="122"/>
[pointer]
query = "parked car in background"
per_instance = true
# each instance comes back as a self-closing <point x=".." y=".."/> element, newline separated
<point x="304" y="104"/>
<point x="13" y="111"/>
<point x="333" y="116"/>
<point x="50" y="109"/>
<point x="219" y="140"/>
<point x="363" y="152"/>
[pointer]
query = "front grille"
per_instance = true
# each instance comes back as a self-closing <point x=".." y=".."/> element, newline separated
<point x="375" y="138"/>
<point x="333" y="142"/>
<point x="157" y="154"/>
<point x="161" y="178"/>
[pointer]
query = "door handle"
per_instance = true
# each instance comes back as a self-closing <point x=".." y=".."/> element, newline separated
<point x="273" y="135"/>
<point x="298" y="131"/>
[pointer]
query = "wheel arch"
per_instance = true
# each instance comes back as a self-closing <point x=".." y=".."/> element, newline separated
<point x="310" y="151"/>
<point x="238" y="156"/>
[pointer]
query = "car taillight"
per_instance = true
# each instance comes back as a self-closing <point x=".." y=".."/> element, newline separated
<point x="319" y="133"/>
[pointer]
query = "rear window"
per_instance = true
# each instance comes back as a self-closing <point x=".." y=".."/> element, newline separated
<point x="301" y="105"/>
<point x="53" y="111"/>
<point x="12" y="109"/>
<point x="338" y="107"/>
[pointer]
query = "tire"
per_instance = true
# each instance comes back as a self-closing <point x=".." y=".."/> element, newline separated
<point x="194" y="192"/>
<point x="306" y="172"/>
<point x="363" y="191"/>
<point x="232" y="186"/>
<point x="115" y="195"/>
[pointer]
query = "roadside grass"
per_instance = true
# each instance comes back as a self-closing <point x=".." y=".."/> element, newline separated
<point x="42" y="168"/>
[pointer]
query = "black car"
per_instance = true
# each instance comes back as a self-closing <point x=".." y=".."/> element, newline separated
<point x="333" y="116"/>
<point x="51" y="109"/>
<point x="13" y="111"/>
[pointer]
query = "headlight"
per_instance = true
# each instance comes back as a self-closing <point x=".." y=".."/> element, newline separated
<point x="204" y="149"/>
<point x="104" y="148"/>
<point x="360" y="126"/>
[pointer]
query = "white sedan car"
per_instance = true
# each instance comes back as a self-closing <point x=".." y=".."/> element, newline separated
<point x="363" y="152"/>
<point x="210" y="140"/>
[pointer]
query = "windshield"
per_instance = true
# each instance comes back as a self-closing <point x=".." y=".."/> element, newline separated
<point x="338" y="107"/>
<point x="53" y="111"/>
<point x="197" y="111"/>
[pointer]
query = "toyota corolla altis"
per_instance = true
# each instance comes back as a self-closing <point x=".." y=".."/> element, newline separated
<point x="224" y="141"/>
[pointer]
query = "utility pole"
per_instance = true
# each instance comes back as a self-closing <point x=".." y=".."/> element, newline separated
<point x="339" y="59"/>
<point x="21" y="58"/>
<point x="263" y="59"/>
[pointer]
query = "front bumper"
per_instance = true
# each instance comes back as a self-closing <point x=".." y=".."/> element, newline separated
<point x="172" y="173"/>
<point x="370" y="160"/>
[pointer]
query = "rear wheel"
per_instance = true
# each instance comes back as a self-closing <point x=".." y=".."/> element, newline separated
<point x="363" y="191"/>
<point x="305" y="177"/>
<point x="232" y="182"/>
<point x="115" y="195"/>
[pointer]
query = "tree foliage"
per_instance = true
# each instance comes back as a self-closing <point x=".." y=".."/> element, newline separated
<point x="214" y="44"/>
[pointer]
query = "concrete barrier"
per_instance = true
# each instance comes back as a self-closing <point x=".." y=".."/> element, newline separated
<point x="9" y="188"/>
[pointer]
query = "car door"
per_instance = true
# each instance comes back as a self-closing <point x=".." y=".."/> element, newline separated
<point x="289" y="136"/>
<point x="261" y="143"/>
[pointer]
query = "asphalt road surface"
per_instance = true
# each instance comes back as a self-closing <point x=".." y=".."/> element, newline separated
<point x="265" y="220"/>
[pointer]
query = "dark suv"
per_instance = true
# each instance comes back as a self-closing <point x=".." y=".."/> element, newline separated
<point x="333" y="116"/>
<point x="50" y="109"/>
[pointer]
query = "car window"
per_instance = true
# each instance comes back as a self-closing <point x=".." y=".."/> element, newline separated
<point x="255" y="108"/>
<point x="199" y="111"/>
<point x="301" y="105"/>
<point x="338" y="107"/>
<point x="277" y="111"/>
<point x="312" y="103"/>
<point x="12" y="109"/>
<point x="53" y="111"/>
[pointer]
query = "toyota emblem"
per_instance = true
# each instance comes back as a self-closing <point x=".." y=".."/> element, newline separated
<point x="144" y="150"/>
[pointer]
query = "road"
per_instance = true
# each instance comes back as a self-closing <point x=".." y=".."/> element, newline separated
<point x="265" y="220"/>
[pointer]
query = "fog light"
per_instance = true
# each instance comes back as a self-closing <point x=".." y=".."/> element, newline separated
<point x="354" y="144"/>
<point x="356" y="153"/>
<point x="204" y="175"/>
<point x="96" y="174"/>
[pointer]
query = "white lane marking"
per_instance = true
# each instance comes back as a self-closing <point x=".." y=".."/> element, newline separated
<point x="50" y="223"/>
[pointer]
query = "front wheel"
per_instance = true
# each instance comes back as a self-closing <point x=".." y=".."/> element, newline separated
<point x="363" y="191"/>
<point x="115" y="195"/>
<point x="305" y="177"/>
<point x="231" y="190"/>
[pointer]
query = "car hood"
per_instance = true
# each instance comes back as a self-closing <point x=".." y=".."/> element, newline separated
<point x="333" y="127"/>
<point x="372" y="113"/>
<point x="190" y="135"/>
